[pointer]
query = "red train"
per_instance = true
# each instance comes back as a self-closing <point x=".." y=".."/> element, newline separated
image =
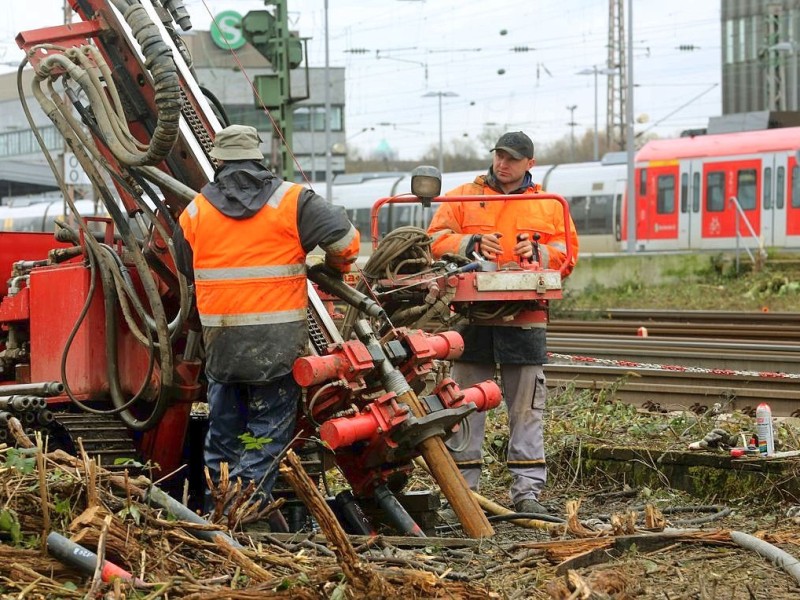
<point x="685" y="189"/>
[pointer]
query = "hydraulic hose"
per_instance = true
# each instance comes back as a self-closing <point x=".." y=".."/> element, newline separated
<point x="775" y="555"/>
<point x="83" y="152"/>
<point x="166" y="83"/>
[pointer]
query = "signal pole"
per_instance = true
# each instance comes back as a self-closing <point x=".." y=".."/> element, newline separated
<point x="630" y="145"/>
<point x="572" y="124"/>
<point x="617" y="88"/>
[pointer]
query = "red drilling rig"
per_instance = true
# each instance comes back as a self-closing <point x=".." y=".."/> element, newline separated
<point x="96" y="336"/>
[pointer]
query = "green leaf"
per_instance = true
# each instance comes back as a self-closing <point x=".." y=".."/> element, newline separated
<point x="650" y="567"/>
<point x="63" y="506"/>
<point x="10" y="523"/>
<point x="16" y="460"/>
<point x="133" y="511"/>
<point x="70" y="586"/>
<point x="340" y="593"/>
<point x="127" y="462"/>
<point x="253" y="443"/>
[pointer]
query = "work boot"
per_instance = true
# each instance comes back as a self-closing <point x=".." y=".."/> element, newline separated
<point x="529" y="506"/>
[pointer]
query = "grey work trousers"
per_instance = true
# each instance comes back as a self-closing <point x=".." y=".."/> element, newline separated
<point x="525" y="392"/>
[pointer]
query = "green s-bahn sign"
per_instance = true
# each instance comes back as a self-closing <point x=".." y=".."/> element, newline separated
<point x="226" y="30"/>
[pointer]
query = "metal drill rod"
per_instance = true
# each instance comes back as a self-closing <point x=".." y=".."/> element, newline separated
<point x="22" y="403"/>
<point x="441" y="463"/>
<point x="338" y="288"/>
<point x="451" y="482"/>
<point x="45" y="388"/>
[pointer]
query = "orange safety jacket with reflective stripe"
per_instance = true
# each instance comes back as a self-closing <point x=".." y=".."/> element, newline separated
<point x="454" y="224"/>
<point x="453" y="228"/>
<point x="248" y="271"/>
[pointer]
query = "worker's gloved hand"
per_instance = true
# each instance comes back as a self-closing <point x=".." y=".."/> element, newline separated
<point x="326" y="271"/>
<point x="716" y="438"/>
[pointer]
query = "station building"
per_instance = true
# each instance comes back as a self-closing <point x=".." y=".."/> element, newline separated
<point x="24" y="170"/>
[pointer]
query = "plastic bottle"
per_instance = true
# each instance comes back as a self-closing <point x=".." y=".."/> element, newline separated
<point x="766" y="436"/>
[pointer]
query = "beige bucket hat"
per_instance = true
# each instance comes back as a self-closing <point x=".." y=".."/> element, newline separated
<point x="237" y="142"/>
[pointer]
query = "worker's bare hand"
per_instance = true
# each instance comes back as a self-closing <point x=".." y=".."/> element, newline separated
<point x="524" y="247"/>
<point x="490" y="245"/>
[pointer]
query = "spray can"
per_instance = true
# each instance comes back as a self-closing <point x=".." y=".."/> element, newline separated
<point x="766" y="436"/>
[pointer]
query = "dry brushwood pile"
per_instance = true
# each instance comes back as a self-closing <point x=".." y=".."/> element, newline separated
<point x="627" y="553"/>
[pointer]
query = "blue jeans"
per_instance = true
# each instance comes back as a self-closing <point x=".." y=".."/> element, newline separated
<point x="267" y="411"/>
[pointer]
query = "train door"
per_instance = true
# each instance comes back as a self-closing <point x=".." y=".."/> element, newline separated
<point x="773" y="200"/>
<point x="689" y="229"/>
<point x="792" y="190"/>
<point x="657" y="206"/>
<point x="620" y="189"/>
<point x="723" y="181"/>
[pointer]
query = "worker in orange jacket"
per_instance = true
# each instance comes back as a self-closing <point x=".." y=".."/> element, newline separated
<point x="243" y="242"/>
<point x="506" y="231"/>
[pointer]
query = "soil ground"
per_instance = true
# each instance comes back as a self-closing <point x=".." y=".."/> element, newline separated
<point x="697" y="570"/>
<point x="604" y="510"/>
<point x="676" y="571"/>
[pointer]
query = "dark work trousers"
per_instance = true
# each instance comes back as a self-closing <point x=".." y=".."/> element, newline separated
<point x="524" y="392"/>
<point x="267" y="411"/>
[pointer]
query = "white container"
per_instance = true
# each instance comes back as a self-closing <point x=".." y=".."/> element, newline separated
<point x="764" y="431"/>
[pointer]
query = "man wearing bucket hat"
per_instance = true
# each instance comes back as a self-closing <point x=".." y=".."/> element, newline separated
<point x="243" y="242"/>
<point x="505" y="231"/>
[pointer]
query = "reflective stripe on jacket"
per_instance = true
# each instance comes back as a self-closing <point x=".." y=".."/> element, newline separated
<point x="455" y="223"/>
<point x="243" y="242"/>
<point x="248" y="271"/>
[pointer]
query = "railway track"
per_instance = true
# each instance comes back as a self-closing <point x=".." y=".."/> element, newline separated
<point x="675" y="390"/>
<point x="784" y="326"/>
<point x="683" y="316"/>
<point x="709" y="354"/>
<point x="720" y="331"/>
<point x="690" y="360"/>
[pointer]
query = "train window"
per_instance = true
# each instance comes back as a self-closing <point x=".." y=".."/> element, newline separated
<point x="746" y="188"/>
<point x="643" y="182"/>
<point x="600" y="216"/>
<point x="684" y="193"/>
<point x="579" y="210"/>
<point x="768" y="188"/>
<point x="665" y="201"/>
<point x="400" y="215"/>
<point x="592" y="214"/>
<point x="795" y="192"/>
<point x="715" y="191"/>
<point x="696" y="192"/>
<point x="359" y="217"/>
<point x="780" y="184"/>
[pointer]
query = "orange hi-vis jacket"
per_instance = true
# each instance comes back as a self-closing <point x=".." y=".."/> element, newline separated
<point x="248" y="271"/>
<point x="455" y="223"/>
<point x="250" y="278"/>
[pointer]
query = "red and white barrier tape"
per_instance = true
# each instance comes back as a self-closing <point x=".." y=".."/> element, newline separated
<point x="678" y="368"/>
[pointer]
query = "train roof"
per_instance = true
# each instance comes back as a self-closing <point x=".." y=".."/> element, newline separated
<point x="582" y="179"/>
<point x="364" y="194"/>
<point x="725" y="144"/>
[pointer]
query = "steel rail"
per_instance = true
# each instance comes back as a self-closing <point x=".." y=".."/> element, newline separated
<point x="673" y="390"/>
<point x="682" y="316"/>
<point x="717" y="331"/>
<point x="747" y="356"/>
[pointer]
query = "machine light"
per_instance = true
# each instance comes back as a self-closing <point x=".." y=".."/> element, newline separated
<point x="426" y="184"/>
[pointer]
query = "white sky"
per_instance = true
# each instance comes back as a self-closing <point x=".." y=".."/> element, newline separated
<point x="455" y="46"/>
